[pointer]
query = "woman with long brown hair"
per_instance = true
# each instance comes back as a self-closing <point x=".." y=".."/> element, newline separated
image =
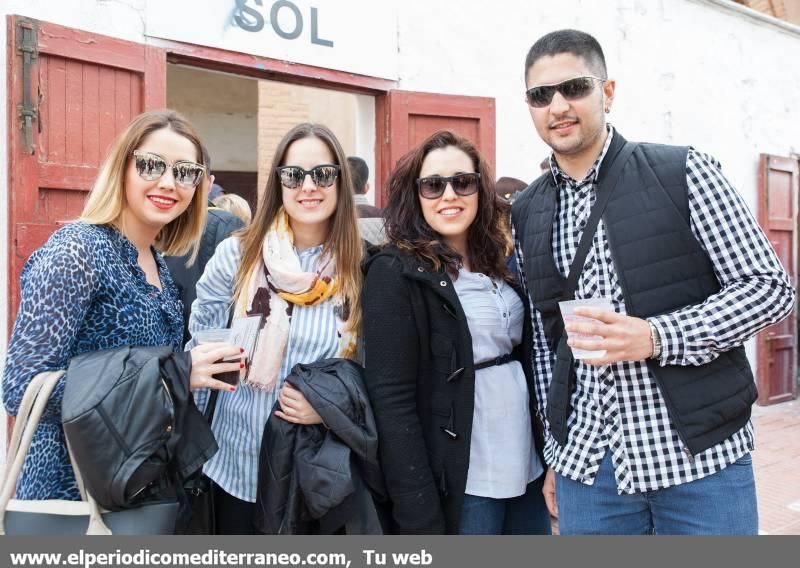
<point x="298" y="265"/>
<point x="447" y="350"/>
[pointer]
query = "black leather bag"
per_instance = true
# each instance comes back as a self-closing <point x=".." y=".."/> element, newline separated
<point x="61" y="517"/>
<point x="198" y="488"/>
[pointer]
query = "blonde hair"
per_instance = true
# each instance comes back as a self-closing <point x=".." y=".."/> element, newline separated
<point x="344" y="240"/>
<point x="106" y="201"/>
<point x="234" y="204"/>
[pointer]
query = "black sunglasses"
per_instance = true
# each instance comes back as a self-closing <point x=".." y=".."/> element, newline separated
<point x="293" y="177"/>
<point x="571" y="89"/>
<point x="151" y="167"/>
<point x="463" y="184"/>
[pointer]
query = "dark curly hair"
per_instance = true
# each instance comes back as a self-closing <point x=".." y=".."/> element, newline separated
<point x="488" y="239"/>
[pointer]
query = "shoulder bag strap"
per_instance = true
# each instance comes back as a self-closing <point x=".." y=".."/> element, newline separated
<point x="605" y="187"/>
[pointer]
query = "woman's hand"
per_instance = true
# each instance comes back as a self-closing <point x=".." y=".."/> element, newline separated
<point x="207" y="361"/>
<point x="295" y="408"/>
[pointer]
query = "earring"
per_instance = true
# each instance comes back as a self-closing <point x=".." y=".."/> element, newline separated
<point x="608" y="110"/>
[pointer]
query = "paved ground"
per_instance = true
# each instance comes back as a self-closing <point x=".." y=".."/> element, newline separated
<point x="776" y="459"/>
<point x="777" y="467"/>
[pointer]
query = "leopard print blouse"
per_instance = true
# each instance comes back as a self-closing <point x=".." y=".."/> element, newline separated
<point x="83" y="291"/>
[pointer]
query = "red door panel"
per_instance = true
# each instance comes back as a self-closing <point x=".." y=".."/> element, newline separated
<point x="406" y="118"/>
<point x="81" y="90"/>
<point x="777" y="357"/>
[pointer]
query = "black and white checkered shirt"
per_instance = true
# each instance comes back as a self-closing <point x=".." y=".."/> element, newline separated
<point x="618" y="408"/>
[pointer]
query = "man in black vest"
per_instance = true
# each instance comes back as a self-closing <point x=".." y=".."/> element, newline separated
<point x="653" y="436"/>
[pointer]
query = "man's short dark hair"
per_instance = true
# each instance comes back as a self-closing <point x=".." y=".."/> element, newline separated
<point x="359" y="171"/>
<point x="575" y="42"/>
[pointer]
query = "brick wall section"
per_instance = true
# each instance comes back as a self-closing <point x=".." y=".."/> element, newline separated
<point x="278" y="111"/>
<point x="281" y="106"/>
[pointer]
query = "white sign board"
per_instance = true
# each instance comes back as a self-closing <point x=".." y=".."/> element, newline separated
<point x="357" y="36"/>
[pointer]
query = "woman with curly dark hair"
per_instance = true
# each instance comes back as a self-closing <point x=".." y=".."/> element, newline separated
<point x="448" y="352"/>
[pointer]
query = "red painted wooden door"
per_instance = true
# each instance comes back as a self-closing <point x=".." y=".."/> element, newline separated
<point x="406" y="118"/>
<point x="70" y="93"/>
<point x="777" y="357"/>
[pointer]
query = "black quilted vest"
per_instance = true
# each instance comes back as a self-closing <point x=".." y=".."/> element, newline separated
<point x="661" y="268"/>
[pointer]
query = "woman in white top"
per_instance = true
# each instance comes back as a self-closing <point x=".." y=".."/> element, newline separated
<point x="447" y="345"/>
<point x="297" y="264"/>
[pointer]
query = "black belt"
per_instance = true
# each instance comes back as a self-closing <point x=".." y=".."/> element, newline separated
<point x="501" y="360"/>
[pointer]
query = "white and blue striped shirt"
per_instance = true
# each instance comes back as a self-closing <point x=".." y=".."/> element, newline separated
<point x="240" y="416"/>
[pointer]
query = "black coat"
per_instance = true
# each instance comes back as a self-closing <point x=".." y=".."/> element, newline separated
<point x="318" y="479"/>
<point x="219" y="226"/>
<point x="421" y="381"/>
<point x="129" y="416"/>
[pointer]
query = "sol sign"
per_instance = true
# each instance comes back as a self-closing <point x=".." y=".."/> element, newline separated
<point x="357" y="36"/>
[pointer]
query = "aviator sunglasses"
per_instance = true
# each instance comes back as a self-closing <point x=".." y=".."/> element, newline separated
<point x="151" y="167"/>
<point x="463" y="184"/>
<point x="571" y="89"/>
<point x="292" y="177"/>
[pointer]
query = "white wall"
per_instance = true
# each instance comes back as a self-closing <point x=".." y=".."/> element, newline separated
<point x="688" y="72"/>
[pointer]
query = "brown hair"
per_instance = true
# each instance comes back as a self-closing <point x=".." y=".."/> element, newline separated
<point x="344" y="241"/>
<point x="488" y="239"/>
<point x="106" y="201"/>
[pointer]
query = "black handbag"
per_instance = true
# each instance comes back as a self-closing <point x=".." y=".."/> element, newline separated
<point x="62" y="517"/>
<point x="199" y="491"/>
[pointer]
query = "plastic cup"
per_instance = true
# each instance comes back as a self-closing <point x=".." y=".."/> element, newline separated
<point x="219" y="335"/>
<point x="568" y="313"/>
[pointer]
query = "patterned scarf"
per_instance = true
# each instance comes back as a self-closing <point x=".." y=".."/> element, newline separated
<point x="273" y="288"/>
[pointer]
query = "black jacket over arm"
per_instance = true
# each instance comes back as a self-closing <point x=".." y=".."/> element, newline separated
<point x="318" y="479"/>
<point x="421" y="381"/>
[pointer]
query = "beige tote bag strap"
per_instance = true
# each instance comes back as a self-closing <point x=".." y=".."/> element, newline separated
<point x="24" y="410"/>
<point x="96" y="524"/>
<point x="32" y="407"/>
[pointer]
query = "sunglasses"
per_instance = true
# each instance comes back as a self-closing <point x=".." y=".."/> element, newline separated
<point x="293" y="177"/>
<point x="151" y="167"/>
<point x="463" y="184"/>
<point x="571" y="89"/>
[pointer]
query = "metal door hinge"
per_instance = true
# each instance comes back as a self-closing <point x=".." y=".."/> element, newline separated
<point x="28" y="110"/>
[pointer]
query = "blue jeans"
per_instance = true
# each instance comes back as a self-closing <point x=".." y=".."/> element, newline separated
<point x="720" y="504"/>
<point x="526" y="514"/>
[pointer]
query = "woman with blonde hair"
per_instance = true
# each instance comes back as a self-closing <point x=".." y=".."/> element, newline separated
<point x="297" y="264"/>
<point x="100" y="282"/>
<point x="235" y="204"/>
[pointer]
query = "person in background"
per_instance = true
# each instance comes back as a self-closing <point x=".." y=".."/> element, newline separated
<point x="654" y="434"/>
<point x="185" y="269"/>
<point x="299" y="265"/>
<point x="509" y="188"/>
<point x="235" y="204"/>
<point x="360" y="174"/>
<point x="447" y="342"/>
<point x="101" y="282"/>
<point x="370" y="218"/>
<point x="215" y="191"/>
